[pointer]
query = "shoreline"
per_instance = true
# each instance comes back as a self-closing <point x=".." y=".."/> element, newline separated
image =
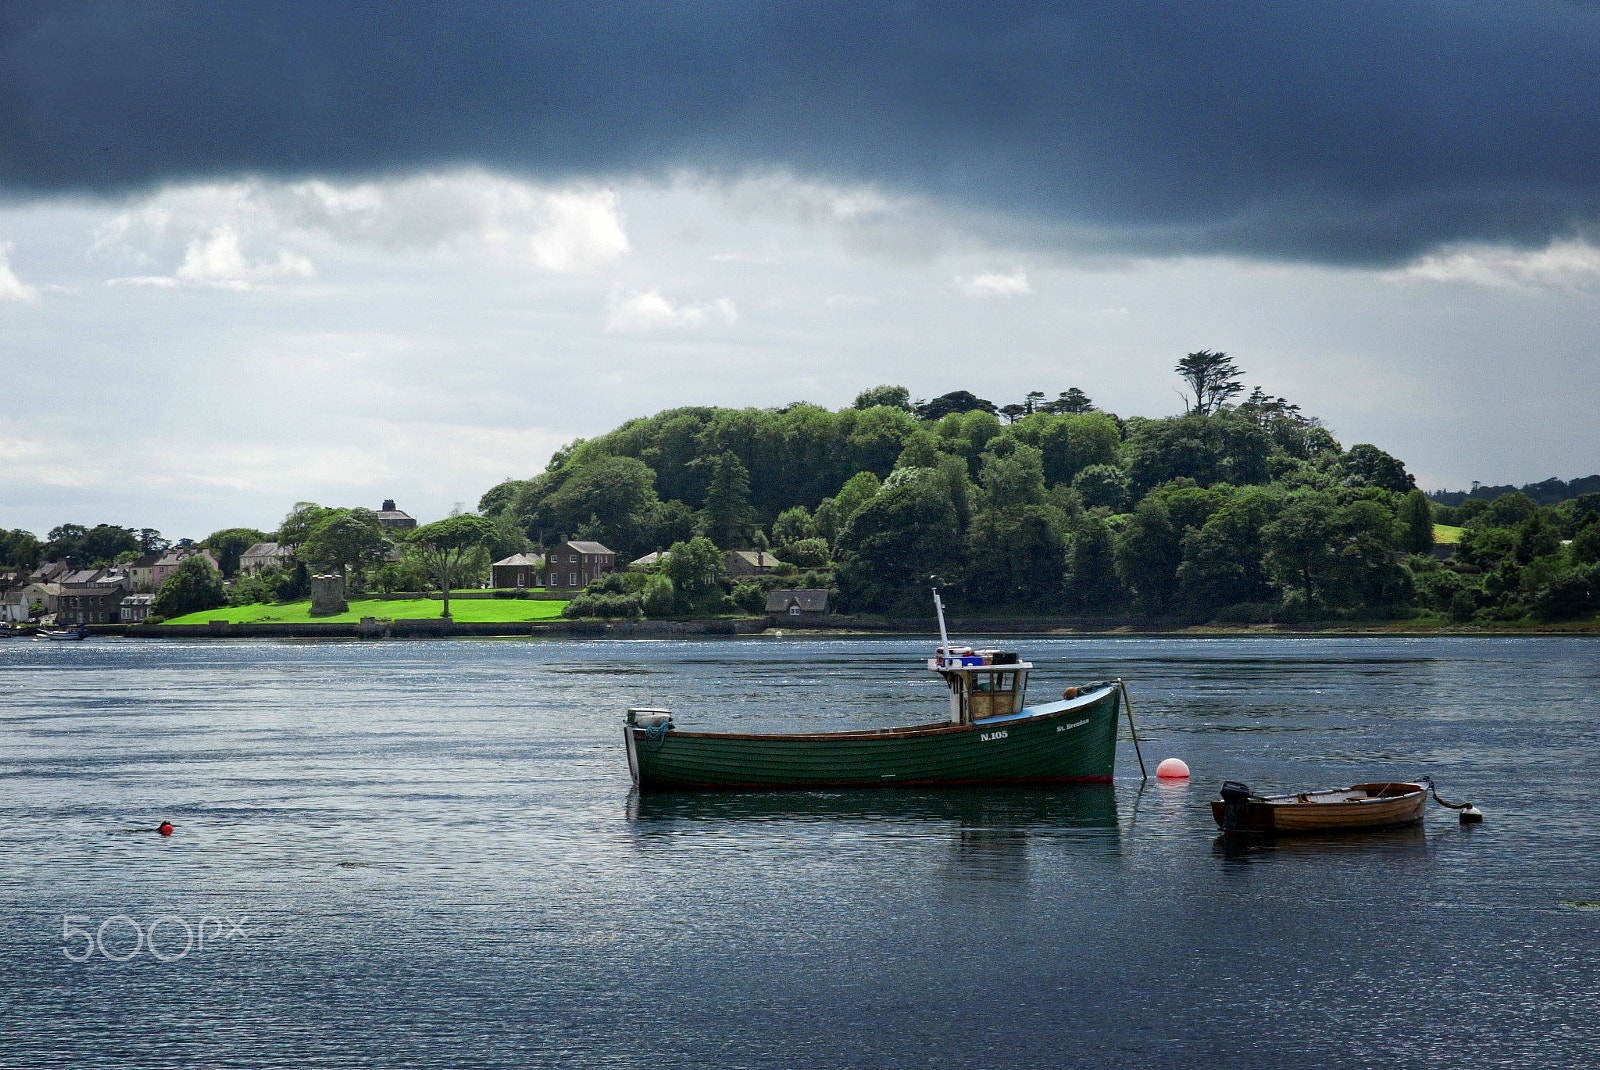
<point x="437" y="628"/>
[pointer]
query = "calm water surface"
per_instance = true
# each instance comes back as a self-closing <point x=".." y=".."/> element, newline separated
<point x="426" y="854"/>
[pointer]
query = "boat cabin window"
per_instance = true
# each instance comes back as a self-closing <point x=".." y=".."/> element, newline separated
<point x="993" y="694"/>
<point x="994" y="681"/>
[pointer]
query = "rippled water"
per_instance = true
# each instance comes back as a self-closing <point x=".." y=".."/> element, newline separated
<point x="427" y="854"/>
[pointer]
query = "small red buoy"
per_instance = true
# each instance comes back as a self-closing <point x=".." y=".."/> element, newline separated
<point x="1172" y="769"/>
<point x="166" y="826"/>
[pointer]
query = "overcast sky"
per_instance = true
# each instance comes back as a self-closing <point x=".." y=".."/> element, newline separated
<point x="254" y="254"/>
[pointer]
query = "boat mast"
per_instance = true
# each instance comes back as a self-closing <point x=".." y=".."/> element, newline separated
<point x="938" y="606"/>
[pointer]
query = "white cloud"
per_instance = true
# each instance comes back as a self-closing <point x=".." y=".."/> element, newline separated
<point x="651" y="311"/>
<point x="994" y="284"/>
<point x="217" y="259"/>
<point x="218" y="225"/>
<point x="11" y="287"/>
<point x="1562" y="264"/>
<point x="581" y="231"/>
<point x="848" y="300"/>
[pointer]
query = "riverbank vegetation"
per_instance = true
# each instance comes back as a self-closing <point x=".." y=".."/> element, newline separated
<point x="1237" y="511"/>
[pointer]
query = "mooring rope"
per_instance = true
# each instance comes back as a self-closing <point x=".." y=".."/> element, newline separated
<point x="1127" y="704"/>
<point x="1435" y="792"/>
<point x="655" y="736"/>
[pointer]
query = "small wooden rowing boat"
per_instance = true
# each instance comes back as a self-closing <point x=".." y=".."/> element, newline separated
<point x="1361" y="806"/>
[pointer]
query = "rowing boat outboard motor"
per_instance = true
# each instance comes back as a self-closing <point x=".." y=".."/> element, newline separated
<point x="1236" y="800"/>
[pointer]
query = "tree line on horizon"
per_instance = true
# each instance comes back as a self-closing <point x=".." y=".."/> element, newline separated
<point x="1243" y="508"/>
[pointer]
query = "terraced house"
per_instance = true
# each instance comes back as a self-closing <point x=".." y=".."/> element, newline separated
<point x="92" y="597"/>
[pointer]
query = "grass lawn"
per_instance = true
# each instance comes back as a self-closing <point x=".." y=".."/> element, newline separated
<point x="1446" y="535"/>
<point x="462" y="609"/>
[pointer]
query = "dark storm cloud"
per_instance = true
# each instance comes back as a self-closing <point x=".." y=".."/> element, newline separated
<point x="1359" y="132"/>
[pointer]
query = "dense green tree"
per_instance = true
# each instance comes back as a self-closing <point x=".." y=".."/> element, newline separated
<point x="728" y="516"/>
<point x="1189" y="505"/>
<point x="1436" y="584"/>
<point x="1013" y="479"/>
<point x="1092" y="582"/>
<point x="894" y="397"/>
<point x="299" y="523"/>
<point x="792" y="525"/>
<point x="1586" y="544"/>
<point x="1071" y="400"/>
<point x="151" y="542"/>
<point x="193" y="586"/>
<point x="1483" y="547"/>
<point x="1536" y="537"/>
<point x="658" y="598"/>
<point x="346" y="540"/>
<point x="967" y="435"/>
<point x="805" y="553"/>
<point x="446" y="545"/>
<point x="1223" y="557"/>
<point x="672" y="521"/>
<point x="1016" y="556"/>
<point x="957" y="401"/>
<point x="1149" y="550"/>
<point x="611" y="500"/>
<point x="921" y="450"/>
<point x="83" y="547"/>
<point x="20" y="549"/>
<point x="895" y="542"/>
<point x="1204" y="531"/>
<point x="228" y="544"/>
<point x="1102" y="486"/>
<point x="827" y="520"/>
<point x="1416" y="523"/>
<point x="1572" y="593"/>
<point x="1070" y="443"/>
<point x="1367" y="465"/>
<point x="1299" y="544"/>
<point x="1506" y="511"/>
<point x="1366" y="573"/>
<point x="1225" y="448"/>
<point x="857" y="491"/>
<point x="952" y="471"/>
<point x="509" y="536"/>
<point x="499" y="498"/>
<point x="1212" y="378"/>
<point x="693" y="568"/>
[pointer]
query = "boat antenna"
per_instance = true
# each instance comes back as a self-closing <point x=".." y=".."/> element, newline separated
<point x="938" y="607"/>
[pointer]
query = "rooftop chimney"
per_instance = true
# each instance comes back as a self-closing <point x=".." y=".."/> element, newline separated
<point x="388" y="505"/>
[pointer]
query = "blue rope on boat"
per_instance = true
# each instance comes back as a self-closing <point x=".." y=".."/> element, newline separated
<point x="655" y="736"/>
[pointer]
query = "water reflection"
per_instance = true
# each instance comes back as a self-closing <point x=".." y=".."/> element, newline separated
<point x="1410" y="841"/>
<point x="1087" y="806"/>
<point x="987" y="831"/>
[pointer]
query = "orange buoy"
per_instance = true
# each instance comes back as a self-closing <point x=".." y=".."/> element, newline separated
<point x="166" y="828"/>
<point x="1172" y="769"/>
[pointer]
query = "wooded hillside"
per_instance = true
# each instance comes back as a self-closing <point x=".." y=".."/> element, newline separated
<point x="1235" y="512"/>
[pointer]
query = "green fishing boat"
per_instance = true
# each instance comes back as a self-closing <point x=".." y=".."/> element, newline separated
<point x="990" y="735"/>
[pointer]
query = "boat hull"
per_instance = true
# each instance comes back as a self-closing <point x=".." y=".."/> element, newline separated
<point x="1060" y="742"/>
<point x="1383" y="806"/>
